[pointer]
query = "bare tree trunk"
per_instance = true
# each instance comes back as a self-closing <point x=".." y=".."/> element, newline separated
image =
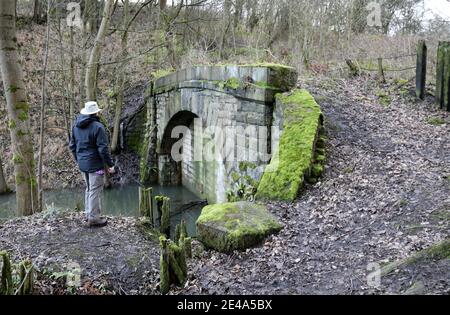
<point x="42" y="116"/>
<point x="36" y="11"/>
<point x="92" y="66"/>
<point x="67" y="92"/>
<point x="228" y="22"/>
<point x="3" y="186"/>
<point x="72" y="101"/>
<point x="171" y="36"/>
<point x="121" y="78"/>
<point x="18" y="112"/>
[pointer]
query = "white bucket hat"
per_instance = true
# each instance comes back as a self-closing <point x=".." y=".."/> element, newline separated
<point x="90" y="108"/>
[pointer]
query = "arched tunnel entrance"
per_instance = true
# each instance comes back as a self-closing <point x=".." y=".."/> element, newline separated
<point x="219" y="100"/>
<point x="176" y="149"/>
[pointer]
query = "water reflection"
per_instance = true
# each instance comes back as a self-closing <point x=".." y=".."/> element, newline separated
<point x="122" y="201"/>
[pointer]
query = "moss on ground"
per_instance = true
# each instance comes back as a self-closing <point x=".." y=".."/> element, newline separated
<point x="235" y="226"/>
<point x="436" y="252"/>
<point x="436" y="121"/>
<point x="384" y="97"/>
<point x="294" y="159"/>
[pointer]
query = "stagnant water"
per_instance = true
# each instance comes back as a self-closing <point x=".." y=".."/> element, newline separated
<point x="120" y="201"/>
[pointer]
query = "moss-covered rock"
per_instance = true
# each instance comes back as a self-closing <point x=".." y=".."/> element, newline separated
<point x="294" y="160"/>
<point x="235" y="226"/>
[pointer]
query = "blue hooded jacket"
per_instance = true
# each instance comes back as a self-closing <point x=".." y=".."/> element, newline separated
<point x="89" y="144"/>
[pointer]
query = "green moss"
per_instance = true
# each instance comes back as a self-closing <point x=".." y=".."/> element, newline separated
<point x="137" y="142"/>
<point x="165" y="218"/>
<point x="320" y="151"/>
<point x="164" y="274"/>
<point x="436" y="121"/>
<point x="439" y="251"/>
<point x="321" y="142"/>
<point x="144" y="170"/>
<point x="317" y="170"/>
<point x="231" y="83"/>
<point x="13" y="88"/>
<point x="111" y="93"/>
<point x="11" y="124"/>
<point x="320" y="158"/>
<point x="436" y="252"/>
<point x="283" y="77"/>
<point x="235" y="176"/>
<point x="401" y="82"/>
<point x="26" y="278"/>
<point x="235" y="226"/>
<point x="285" y="175"/>
<point x="178" y="266"/>
<point x="245" y="166"/>
<point x="33" y="181"/>
<point x="23" y="106"/>
<point x="21" y="133"/>
<point x="17" y="159"/>
<point x="7" y="286"/>
<point x="384" y="98"/>
<point x="219" y="212"/>
<point x="441" y="215"/>
<point x="23" y="115"/>
<point x="161" y="73"/>
<point x="273" y="66"/>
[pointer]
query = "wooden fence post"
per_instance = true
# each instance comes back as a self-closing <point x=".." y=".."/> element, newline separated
<point x="159" y="203"/>
<point x="446" y="87"/>
<point x="443" y="76"/>
<point x="163" y="207"/>
<point x="421" y="70"/>
<point x="145" y="203"/>
<point x="165" y="217"/>
<point x="164" y="266"/>
<point x="381" y="76"/>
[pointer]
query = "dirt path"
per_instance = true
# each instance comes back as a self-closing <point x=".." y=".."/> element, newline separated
<point x="116" y="258"/>
<point x="385" y="195"/>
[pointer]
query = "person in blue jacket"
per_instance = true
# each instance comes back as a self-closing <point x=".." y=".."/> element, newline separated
<point x="90" y="148"/>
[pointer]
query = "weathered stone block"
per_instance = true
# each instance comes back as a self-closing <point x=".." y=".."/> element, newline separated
<point x="293" y="160"/>
<point x="235" y="226"/>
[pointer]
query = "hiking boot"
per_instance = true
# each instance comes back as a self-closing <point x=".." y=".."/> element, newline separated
<point x="97" y="222"/>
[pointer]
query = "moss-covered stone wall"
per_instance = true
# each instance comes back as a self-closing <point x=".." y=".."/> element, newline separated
<point x="298" y="157"/>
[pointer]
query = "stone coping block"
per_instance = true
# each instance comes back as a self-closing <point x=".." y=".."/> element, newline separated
<point x="272" y="77"/>
<point x="295" y="158"/>
<point x="235" y="226"/>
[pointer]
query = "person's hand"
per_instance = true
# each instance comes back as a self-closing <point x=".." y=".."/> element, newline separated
<point x="112" y="170"/>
